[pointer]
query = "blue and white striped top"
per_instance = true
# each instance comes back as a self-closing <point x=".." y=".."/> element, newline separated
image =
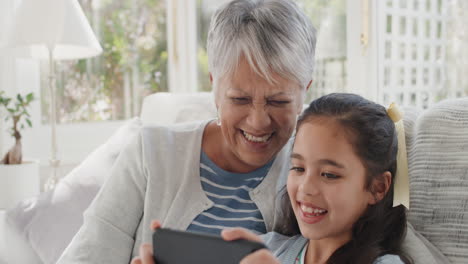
<point x="229" y="191"/>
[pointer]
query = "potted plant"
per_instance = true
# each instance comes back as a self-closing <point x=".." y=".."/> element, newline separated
<point x="18" y="179"/>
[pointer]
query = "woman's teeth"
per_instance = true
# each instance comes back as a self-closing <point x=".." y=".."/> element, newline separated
<point x="252" y="138"/>
<point x="311" y="210"/>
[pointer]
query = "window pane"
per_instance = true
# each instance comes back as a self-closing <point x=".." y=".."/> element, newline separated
<point x="133" y="64"/>
<point x="205" y="9"/>
<point x="328" y="17"/>
<point x="456" y="54"/>
<point x="426" y="56"/>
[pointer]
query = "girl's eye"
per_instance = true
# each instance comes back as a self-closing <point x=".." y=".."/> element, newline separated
<point x="277" y="102"/>
<point x="330" y="176"/>
<point x="297" y="169"/>
<point x="240" y="100"/>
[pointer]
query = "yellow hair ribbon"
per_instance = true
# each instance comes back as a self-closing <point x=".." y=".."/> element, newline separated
<point x="401" y="187"/>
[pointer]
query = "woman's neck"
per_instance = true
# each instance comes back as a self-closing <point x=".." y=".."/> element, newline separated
<point x="319" y="251"/>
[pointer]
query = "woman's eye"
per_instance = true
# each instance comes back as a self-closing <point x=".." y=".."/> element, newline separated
<point x="240" y="100"/>
<point x="297" y="169"/>
<point x="330" y="175"/>
<point x="278" y="102"/>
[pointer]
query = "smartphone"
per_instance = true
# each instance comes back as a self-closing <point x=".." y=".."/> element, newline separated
<point x="180" y="247"/>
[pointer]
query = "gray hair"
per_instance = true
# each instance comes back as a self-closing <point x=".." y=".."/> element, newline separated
<point x="274" y="36"/>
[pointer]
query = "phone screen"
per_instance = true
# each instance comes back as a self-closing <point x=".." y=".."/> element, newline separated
<point x="179" y="247"/>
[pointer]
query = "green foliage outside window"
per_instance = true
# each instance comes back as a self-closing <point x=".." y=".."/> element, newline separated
<point x="133" y="64"/>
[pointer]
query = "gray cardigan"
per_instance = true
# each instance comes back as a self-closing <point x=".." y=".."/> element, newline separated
<point x="157" y="176"/>
<point x="286" y="249"/>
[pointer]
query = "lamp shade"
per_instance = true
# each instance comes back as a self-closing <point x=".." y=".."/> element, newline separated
<point x="58" y="25"/>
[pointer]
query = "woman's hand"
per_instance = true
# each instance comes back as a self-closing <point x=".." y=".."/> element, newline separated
<point x="146" y="250"/>
<point x="263" y="256"/>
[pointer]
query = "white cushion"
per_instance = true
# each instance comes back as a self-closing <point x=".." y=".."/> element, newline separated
<point x="49" y="221"/>
<point x="170" y="108"/>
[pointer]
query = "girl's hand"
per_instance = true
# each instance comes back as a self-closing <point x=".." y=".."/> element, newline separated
<point x="263" y="256"/>
<point x="146" y="250"/>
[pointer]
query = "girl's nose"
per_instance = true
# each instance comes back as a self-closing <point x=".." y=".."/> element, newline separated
<point x="309" y="185"/>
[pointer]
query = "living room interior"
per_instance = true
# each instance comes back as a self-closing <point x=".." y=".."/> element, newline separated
<point x="147" y="60"/>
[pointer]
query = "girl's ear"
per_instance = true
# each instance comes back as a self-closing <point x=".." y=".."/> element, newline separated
<point x="380" y="187"/>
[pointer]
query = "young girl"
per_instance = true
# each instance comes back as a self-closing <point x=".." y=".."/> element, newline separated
<point x="340" y="189"/>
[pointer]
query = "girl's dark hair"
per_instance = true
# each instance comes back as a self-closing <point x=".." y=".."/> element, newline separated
<point x="382" y="227"/>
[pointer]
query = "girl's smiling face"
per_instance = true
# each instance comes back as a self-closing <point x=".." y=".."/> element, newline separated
<point x="326" y="182"/>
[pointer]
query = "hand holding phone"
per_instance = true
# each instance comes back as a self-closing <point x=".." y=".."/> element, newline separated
<point x="174" y="247"/>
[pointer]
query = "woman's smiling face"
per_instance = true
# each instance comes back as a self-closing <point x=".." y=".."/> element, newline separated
<point x="326" y="182"/>
<point x="257" y="118"/>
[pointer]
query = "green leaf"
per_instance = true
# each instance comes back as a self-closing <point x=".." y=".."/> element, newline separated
<point x="30" y="97"/>
<point x="19" y="98"/>
<point x="29" y="122"/>
<point x="11" y="110"/>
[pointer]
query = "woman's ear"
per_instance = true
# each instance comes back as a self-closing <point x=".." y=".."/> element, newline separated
<point x="300" y="106"/>
<point x="380" y="187"/>
<point x="308" y="85"/>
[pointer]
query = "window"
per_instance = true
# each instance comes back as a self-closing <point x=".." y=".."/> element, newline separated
<point x="205" y="9"/>
<point x="416" y="55"/>
<point x="422" y="59"/>
<point x="328" y="17"/>
<point x="133" y="63"/>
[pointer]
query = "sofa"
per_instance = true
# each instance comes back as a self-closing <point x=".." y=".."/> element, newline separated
<point x="38" y="229"/>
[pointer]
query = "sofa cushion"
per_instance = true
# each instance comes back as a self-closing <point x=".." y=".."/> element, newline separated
<point x="438" y="170"/>
<point x="420" y="249"/>
<point x="48" y="222"/>
<point x="170" y="108"/>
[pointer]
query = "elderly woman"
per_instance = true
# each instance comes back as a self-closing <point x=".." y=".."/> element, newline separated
<point x="219" y="173"/>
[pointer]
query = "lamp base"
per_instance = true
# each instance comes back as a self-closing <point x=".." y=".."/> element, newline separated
<point x="52" y="181"/>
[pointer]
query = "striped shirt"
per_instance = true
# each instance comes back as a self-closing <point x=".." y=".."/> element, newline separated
<point x="229" y="192"/>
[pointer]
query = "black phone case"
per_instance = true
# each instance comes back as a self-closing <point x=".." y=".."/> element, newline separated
<point x="179" y="247"/>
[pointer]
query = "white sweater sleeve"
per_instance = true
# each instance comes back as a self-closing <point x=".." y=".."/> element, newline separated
<point x="110" y="223"/>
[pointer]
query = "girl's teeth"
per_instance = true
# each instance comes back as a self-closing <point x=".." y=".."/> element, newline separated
<point x="311" y="210"/>
<point x="256" y="139"/>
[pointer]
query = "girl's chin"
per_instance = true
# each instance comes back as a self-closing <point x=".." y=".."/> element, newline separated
<point x="311" y="235"/>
